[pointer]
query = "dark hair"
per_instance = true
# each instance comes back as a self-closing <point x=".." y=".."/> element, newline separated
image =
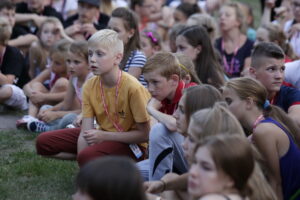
<point x="194" y="100"/>
<point x="208" y="67"/>
<point x="134" y="3"/>
<point x="111" y="178"/>
<point x="7" y="4"/>
<point x="188" y="9"/>
<point x="265" y="49"/>
<point x="130" y="22"/>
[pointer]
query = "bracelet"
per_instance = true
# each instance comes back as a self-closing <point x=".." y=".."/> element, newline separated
<point x="164" y="185"/>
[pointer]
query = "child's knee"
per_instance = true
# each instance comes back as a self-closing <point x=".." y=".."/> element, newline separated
<point x="42" y="144"/>
<point x="158" y="132"/>
<point x="60" y="85"/>
<point x="5" y="93"/>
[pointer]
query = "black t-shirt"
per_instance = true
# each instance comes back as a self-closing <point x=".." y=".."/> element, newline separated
<point x="48" y="11"/>
<point x="14" y="63"/>
<point x="18" y="31"/>
<point x="102" y="21"/>
<point x="235" y="64"/>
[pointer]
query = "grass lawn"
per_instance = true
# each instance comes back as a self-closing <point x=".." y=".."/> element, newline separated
<point x="26" y="176"/>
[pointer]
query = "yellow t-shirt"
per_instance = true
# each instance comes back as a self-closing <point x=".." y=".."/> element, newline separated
<point x="132" y="102"/>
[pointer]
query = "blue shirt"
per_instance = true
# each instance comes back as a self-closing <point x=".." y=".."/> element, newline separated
<point x="286" y="97"/>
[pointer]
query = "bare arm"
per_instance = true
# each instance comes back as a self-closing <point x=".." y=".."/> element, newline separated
<point x="268" y="148"/>
<point x="23" y="40"/>
<point x="140" y="135"/>
<point x="135" y="71"/>
<point x="294" y="113"/>
<point x="6" y="79"/>
<point x="87" y="124"/>
<point x="168" y="120"/>
<point x="43" y="76"/>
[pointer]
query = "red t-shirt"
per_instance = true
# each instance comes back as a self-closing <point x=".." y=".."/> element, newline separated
<point x="169" y="107"/>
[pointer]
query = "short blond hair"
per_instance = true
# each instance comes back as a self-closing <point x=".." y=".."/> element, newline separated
<point x="108" y="39"/>
<point x="165" y="63"/>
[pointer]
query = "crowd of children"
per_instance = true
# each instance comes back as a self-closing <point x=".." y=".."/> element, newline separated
<point x="159" y="99"/>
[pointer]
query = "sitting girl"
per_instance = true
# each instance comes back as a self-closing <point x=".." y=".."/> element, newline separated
<point x="221" y="168"/>
<point x="57" y="74"/>
<point x="272" y="130"/>
<point x="64" y="113"/>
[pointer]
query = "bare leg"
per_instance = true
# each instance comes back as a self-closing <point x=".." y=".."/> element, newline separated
<point x="5" y="93"/>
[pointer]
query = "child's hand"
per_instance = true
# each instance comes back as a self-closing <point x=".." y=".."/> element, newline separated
<point x="72" y="30"/>
<point x="153" y="186"/>
<point x="295" y="29"/>
<point x="37" y="98"/>
<point x="88" y="29"/>
<point x="154" y="103"/>
<point x="77" y="122"/>
<point x="48" y="116"/>
<point x="93" y="136"/>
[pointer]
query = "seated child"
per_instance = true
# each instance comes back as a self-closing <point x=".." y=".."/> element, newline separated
<point x="11" y="70"/>
<point x="267" y="66"/>
<point x="64" y="113"/>
<point x="57" y="75"/>
<point x="118" y="102"/>
<point x="50" y="31"/>
<point x="162" y="72"/>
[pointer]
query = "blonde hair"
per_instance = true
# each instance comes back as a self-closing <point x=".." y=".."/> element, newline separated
<point x="213" y="121"/>
<point x="108" y="39"/>
<point x="165" y="63"/>
<point x="239" y="15"/>
<point x="187" y="67"/>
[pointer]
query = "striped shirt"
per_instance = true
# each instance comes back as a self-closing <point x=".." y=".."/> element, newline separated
<point x="137" y="59"/>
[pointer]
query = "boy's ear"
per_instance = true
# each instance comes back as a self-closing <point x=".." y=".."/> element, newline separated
<point x="119" y="57"/>
<point x="252" y="72"/>
<point x="175" y="79"/>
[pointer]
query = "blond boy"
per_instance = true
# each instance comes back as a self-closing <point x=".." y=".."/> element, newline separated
<point x="117" y="101"/>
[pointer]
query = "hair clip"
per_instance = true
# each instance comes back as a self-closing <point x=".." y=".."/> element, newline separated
<point x="184" y="68"/>
<point x="266" y="104"/>
<point x="151" y="36"/>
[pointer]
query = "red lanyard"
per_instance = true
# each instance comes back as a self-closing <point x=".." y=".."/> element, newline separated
<point x="260" y="117"/>
<point x="115" y="122"/>
<point x="229" y="69"/>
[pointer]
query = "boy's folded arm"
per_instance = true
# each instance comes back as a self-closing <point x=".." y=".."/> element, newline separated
<point x="87" y="124"/>
<point x="168" y="120"/>
<point x="6" y="79"/>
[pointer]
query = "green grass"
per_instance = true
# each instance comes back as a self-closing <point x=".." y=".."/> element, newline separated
<point x="27" y="176"/>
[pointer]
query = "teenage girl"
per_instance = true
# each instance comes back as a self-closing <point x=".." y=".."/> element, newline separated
<point x="50" y="32"/>
<point x="233" y="44"/>
<point x="64" y="113"/>
<point x="125" y="23"/>
<point x="150" y="42"/>
<point x="221" y="168"/>
<point x="195" y="43"/>
<point x="272" y="133"/>
<point x="57" y="74"/>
